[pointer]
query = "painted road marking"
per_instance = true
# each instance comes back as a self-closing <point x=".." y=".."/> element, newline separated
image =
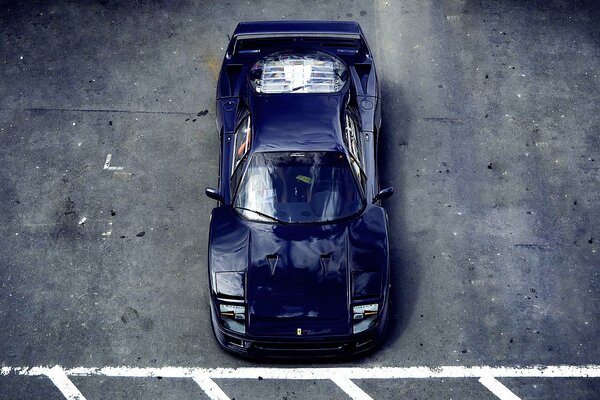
<point x="209" y="386"/>
<point x="63" y="383"/>
<point x="107" y="164"/>
<point x="342" y="377"/>
<point x="351" y="389"/>
<point x="494" y="386"/>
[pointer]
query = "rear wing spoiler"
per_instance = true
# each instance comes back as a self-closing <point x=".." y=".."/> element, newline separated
<point x="254" y="40"/>
<point x="298" y="27"/>
<point x="251" y="37"/>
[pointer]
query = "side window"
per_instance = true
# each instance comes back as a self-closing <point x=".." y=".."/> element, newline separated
<point x="243" y="137"/>
<point x="354" y="146"/>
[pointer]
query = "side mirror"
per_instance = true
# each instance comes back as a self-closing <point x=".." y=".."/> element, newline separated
<point x="214" y="194"/>
<point x="383" y="194"/>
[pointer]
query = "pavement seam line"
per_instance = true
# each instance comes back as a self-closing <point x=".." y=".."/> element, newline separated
<point x="35" y="109"/>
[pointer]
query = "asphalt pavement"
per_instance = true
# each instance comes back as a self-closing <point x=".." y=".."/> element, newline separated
<point x="490" y="137"/>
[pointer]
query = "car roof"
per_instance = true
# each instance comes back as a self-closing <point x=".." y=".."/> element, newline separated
<point x="297" y="122"/>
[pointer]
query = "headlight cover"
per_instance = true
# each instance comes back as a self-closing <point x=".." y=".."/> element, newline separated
<point x="364" y="317"/>
<point x="233" y="317"/>
<point x="298" y="72"/>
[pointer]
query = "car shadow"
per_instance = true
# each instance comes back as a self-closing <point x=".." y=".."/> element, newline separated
<point x="394" y="145"/>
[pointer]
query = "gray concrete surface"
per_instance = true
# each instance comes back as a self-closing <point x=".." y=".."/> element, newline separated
<point x="491" y="139"/>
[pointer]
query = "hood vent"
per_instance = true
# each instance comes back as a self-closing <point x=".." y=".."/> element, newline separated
<point x="325" y="259"/>
<point x="272" y="260"/>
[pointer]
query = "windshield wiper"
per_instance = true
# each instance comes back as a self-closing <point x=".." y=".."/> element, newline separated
<point x="261" y="214"/>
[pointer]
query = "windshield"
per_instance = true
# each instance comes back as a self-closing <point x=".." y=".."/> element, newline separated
<point x="298" y="188"/>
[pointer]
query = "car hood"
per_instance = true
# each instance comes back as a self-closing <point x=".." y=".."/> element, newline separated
<point x="298" y="280"/>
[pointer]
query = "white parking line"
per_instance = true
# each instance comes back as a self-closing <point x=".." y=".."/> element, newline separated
<point x="494" y="386"/>
<point x="340" y="376"/>
<point x="63" y="383"/>
<point x="209" y="386"/>
<point x="351" y="389"/>
<point x="107" y="164"/>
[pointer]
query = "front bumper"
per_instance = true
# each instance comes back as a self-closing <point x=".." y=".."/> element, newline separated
<point x="299" y="348"/>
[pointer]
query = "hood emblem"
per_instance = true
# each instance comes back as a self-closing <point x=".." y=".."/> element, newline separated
<point x="272" y="260"/>
<point x="299" y="331"/>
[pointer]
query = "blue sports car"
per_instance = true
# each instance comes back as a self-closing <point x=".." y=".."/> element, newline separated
<point x="298" y="248"/>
